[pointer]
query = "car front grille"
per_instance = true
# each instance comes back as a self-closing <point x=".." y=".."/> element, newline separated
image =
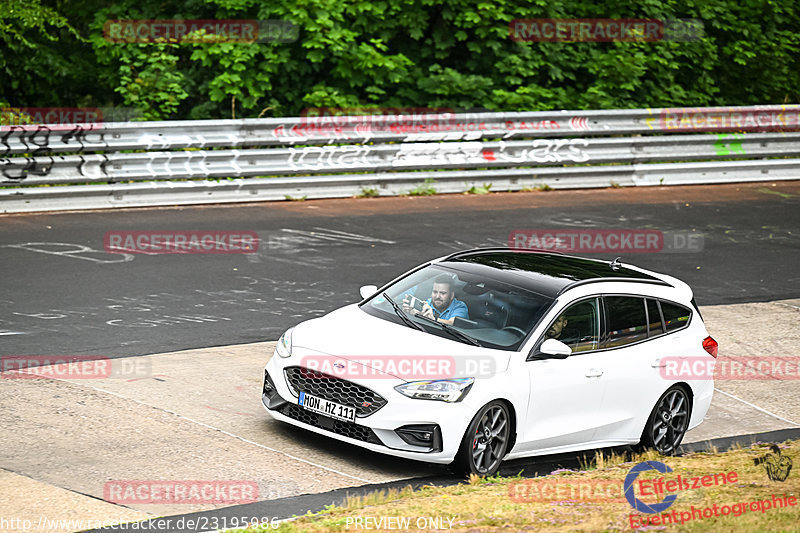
<point x="346" y="429"/>
<point x="366" y="401"/>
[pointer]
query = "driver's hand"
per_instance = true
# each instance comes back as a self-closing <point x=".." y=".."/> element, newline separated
<point x="427" y="311"/>
<point x="407" y="305"/>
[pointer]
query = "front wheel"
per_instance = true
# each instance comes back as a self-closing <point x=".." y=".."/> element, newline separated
<point x="668" y="422"/>
<point x="485" y="442"/>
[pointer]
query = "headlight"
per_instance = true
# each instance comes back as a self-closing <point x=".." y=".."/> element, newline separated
<point x="284" y="346"/>
<point x="445" y="390"/>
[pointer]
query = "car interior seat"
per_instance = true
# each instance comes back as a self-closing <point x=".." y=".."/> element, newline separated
<point x="491" y="311"/>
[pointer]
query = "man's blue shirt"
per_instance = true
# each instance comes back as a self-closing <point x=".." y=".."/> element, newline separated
<point x="457" y="308"/>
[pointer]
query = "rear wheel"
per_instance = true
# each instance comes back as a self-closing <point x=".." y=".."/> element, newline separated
<point x="668" y="422"/>
<point x="485" y="442"/>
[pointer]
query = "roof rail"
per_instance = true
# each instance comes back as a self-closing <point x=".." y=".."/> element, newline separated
<point x="651" y="281"/>
<point x="502" y="249"/>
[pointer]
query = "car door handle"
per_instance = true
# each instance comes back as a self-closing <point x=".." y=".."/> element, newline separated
<point x="657" y="363"/>
<point x="594" y="373"/>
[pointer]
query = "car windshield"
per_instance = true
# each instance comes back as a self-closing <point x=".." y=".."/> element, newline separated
<point x="472" y="309"/>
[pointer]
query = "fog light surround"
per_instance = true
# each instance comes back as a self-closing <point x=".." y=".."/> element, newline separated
<point x="428" y="436"/>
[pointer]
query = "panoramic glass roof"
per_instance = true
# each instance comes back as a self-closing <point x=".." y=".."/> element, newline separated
<point x="544" y="273"/>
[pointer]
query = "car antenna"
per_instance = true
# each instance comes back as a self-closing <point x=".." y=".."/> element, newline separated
<point x="616" y="264"/>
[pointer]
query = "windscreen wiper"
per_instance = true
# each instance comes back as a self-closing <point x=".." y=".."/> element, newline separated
<point x="453" y="332"/>
<point x="402" y="314"/>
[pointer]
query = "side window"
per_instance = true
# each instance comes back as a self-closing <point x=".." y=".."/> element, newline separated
<point x="655" y="325"/>
<point x="675" y="316"/>
<point x="625" y="320"/>
<point x="578" y="326"/>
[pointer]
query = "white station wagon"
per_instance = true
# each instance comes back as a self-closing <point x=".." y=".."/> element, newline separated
<point x="493" y="354"/>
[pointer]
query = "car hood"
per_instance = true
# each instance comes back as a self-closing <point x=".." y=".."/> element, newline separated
<point x="360" y="341"/>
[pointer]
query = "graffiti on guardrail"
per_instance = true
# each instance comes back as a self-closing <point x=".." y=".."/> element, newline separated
<point x="413" y="154"/>
<point x="37" y="137"/>
<point x="190" y="164"/>
<point x="729" y="143"/>
<point x="335" y="141"/>
<point x="31" y="166"/>
<point x="544" y="151"/>
<point x="87" y="167"/>
<point x="33" y="127"/>
<point x="308" y="158"/>
<point x="160" y="141"/>
<point x="36" y="140"/>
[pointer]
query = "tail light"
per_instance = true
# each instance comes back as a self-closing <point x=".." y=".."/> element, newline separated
<point x="710" y="345"/>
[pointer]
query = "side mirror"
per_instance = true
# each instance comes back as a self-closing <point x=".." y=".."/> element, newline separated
<point x="551" y="349"/>
<point x="367" y="290"/>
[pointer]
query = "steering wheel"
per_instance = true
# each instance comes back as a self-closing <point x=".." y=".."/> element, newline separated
<point x="515" y="329"/>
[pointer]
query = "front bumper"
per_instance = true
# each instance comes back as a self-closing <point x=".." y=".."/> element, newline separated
<point x="442" y="423"/>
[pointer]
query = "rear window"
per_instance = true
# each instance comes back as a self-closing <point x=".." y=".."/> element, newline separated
<point x="626" y="321"/>
<point x="675" y="316"/>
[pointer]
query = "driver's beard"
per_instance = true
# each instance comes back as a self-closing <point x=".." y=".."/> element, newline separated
<point x="444" y="306"/>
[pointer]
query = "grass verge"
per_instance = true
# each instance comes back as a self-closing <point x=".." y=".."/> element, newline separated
<point x="560" y="501"/>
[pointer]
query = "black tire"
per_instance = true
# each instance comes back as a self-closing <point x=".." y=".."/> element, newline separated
<point x="668" y="421"/>
<point x="485" y="442"/>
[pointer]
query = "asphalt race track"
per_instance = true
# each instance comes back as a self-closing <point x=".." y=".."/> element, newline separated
<point x="199" y="326"/>
<point x="63" y="294"/>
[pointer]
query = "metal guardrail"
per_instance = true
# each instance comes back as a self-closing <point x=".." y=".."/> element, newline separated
<point x="159" y="193"/>
<point x="389" y="157"/>
<point x="395" y="153"/>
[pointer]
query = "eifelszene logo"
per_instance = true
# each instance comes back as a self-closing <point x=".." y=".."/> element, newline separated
<point x="658" y="486"/>
<point x="635" y="502"/>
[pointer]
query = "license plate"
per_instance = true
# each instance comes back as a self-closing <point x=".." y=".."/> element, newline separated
<point x="327" y="407"/>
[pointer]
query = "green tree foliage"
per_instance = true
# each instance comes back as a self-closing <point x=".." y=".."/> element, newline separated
<point x="30" y="60"/>
<point x="396" y="53"/>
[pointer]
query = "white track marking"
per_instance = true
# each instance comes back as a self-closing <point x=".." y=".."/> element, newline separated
<point x="757" y="407"/>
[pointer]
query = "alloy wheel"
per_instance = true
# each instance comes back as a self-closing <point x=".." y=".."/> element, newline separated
<point x="669" y="421"/>
<point x="490" y="439"/>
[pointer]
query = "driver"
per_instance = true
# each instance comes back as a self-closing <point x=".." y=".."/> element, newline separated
<point x="557" y="328"/>
<point x="442" y="306"/>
